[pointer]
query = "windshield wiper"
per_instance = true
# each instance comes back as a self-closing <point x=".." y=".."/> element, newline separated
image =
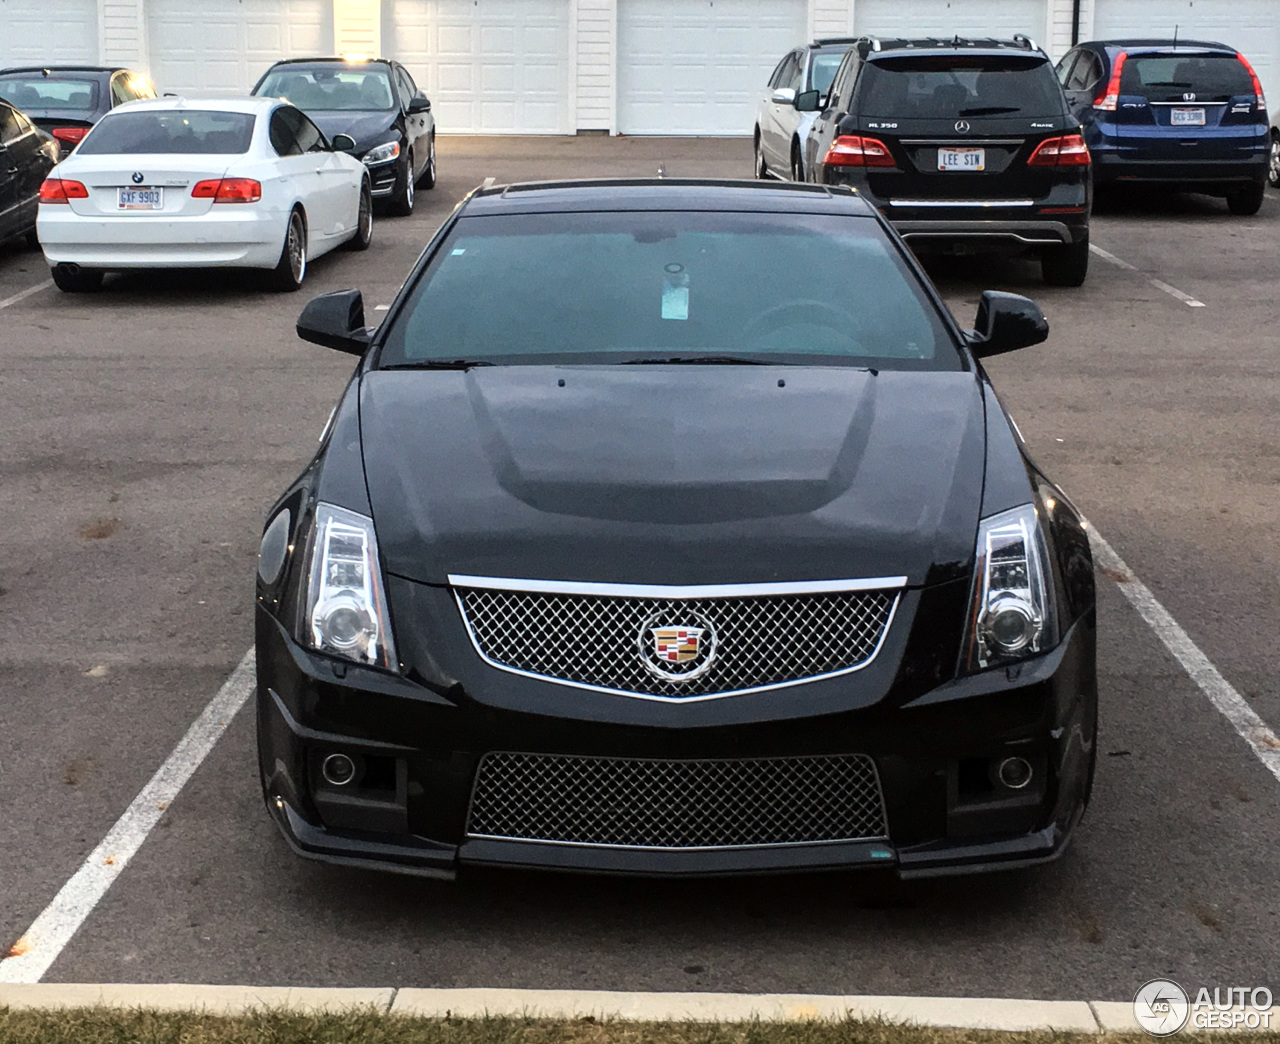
<point x="439" y="364"/>
<point x="990" y="110"/>
<point x="698" y="360"/>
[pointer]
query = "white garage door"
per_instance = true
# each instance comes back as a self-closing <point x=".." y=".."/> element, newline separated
<point x="223" y="46"/>
<point x="698" y="66"/>
<point x="947" y="18"/>
<point x="1253" y="26"/>
<point x="488" y="65"/>
<point x="43" y="32"/>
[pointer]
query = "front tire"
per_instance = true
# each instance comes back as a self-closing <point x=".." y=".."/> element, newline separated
<point x="1247" y="201"/>
<point x="427" y="179"/>
<point x="1273" y="167"/>
<point x="402" y="201"/>
<point x="762" y="168"/>
<point x="291" y="269"/>
<point x="364" y="221"/>
<point x="1066" y="265"/>
<point x="797" y="164"/>
<point x="76" y="280"/>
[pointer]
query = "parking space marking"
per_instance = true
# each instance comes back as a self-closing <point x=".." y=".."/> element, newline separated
<point x="34" y="953"/>
<point x="1172" y="291"/>
<point x="24" y="294"/>
<point x="1220" y="692"/>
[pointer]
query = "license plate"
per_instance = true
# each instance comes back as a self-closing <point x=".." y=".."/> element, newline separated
<point x="140" y="198"/>
<point x="962" y="159"/>
<point x="1186" y="117"/>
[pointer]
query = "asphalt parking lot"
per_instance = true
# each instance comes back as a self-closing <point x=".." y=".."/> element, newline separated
<point x="146" y="429"/>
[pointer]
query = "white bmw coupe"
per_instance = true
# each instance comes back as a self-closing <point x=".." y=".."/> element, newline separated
<point x="175" y="183"/>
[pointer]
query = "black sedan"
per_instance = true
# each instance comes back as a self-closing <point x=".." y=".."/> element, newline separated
<point x="377" y="103"/>
<point x="26" y="157"/>
<point x="67" y="100"/>
<point x="703" y="547"/>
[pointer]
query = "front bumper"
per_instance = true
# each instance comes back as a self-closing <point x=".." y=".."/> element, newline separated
<point x="421" y="745"/>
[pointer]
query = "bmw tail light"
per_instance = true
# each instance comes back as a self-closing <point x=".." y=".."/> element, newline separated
<point x="1069" y="150"/>
<point x="1109" y="99"/>
<point x="57" y="190"/>
<point x="346" y="607"/>
<point x="1257" y="84"/>
<point x="70" y="135"/>
<point x="853" y="150"/>
<point x="228" y="190"/>
<point x="1012" y="612"/>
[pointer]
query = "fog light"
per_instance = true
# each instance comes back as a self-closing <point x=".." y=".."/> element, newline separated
<point x="1009" y="625"/>
<point x="1015" y="773"/>
<point x="338" y="769"/>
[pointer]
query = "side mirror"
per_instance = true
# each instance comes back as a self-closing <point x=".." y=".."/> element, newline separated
<point x="1005" y="323"/>
<point x="784" y="96"/>
<point x="809" y="101"/>
<point x="335" y="321"/>
<point x="419" y="103"/>
<point x="343" y="143"/>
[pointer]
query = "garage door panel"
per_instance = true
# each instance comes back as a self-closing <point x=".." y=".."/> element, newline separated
<point x="946" y="18"/>
<point x="25" y="37"/>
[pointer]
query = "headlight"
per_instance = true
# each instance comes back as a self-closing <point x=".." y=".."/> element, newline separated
<point x="346" y="609"/>
<point x="1011" y="615"/>
<point x="382" y="153"/>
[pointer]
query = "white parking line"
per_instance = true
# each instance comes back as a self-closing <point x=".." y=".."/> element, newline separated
<point x="33" y="954"/>
<point x="23" y="294"/>
<point x="1221" y="693"/>
<point x="1172" y="291"/>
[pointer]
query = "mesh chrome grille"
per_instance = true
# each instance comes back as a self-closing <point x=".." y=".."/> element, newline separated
<point x="738" y="643"/>
<point x="643" y="803"/>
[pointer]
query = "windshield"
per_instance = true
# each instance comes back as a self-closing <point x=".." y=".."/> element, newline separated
<point x="39" y="92"/>
<point x="1167" y="77"/>
<point x="948" y="87"/>
<point x="646" y="286"/>
<point x="824" y="70"/>
<point x="185" y="131"/>
<point x="333" y="87"/>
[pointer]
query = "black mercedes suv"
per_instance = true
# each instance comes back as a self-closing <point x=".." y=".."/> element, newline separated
<point x="963" y="145"/>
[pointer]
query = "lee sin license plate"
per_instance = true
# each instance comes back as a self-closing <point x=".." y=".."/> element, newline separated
<point x="962" y="159"/>
<point x="1186" y="117"/>
<point x="140" y="198"/>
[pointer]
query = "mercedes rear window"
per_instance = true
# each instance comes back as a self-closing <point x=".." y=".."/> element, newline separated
<point x="42" y="92"/>
<point x="646" y="286"/>
<point x="950" y="87"/>
<point x="171" y="131"/>
<point x="1167" y="77"/>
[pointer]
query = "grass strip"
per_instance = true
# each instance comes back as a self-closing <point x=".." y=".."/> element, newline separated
<point x="108" y="1026"/>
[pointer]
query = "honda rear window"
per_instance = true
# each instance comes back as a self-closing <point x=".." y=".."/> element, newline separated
<point x="41" y="92"/>
<point x="949" y="87"/>
<point x="182" y="131"/>
<point x="1167" y="77"/>
<point x="624" y="287"/>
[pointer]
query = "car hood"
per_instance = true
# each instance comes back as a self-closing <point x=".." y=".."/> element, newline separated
<point x="674" y="474"/>
<point x="365" y="127"/>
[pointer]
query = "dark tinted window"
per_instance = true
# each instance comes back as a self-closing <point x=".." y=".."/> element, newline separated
<point x="331" y="87"/>
<point x="1167" y="77"/>
<point x="407" y="88"/>
<point x="776" y="79"/>
<point x="40" y="92"/>
<point x="283" y="132"/>
<point x="952" y="86"/>
<point x="1087" y="72"/>
<point x="10" y="128"/>
<point x="606" y="287"/>
<point x="184" y="131"/>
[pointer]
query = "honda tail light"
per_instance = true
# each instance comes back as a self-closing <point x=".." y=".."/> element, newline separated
<point x="70" y="135"/>
<point x="56" y="190"/>
<point x="853" y="150"/>
<point x="1109" y="99"/>
<point x="1257" y="84"/>
<point x="228" y="190"/>
<point x="1069" y="150"/>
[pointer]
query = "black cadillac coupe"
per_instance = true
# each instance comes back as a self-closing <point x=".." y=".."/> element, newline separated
<point x="673" y="527"/>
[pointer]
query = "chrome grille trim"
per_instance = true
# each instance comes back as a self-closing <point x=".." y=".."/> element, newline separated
<point x="574" y="587"/>
<point x="676" y="805"/>
<point x="874" y="605"/>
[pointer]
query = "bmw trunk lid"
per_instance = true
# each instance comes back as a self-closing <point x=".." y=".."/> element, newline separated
<point x="158" y="185"/>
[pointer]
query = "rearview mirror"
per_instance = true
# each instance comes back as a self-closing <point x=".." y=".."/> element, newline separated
<point x="343" y="143"/>
<point x="808" y="101"/>
<point x="784" y="96"/>
<point x="1005" y="323"/>
<point x="419" y="103"/>
<point x="335" y="321"/>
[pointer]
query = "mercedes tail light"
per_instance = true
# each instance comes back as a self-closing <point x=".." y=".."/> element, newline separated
<point x="57" y="190"/>
<point x="1109" y="99"/>
<point x="1069" y="150"/>
<point x="853" y="150"/>
<point x="228" y="190"/>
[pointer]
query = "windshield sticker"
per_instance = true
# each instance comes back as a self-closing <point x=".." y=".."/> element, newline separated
<point x="458" y="250"/>
<point x="675" y="292"/>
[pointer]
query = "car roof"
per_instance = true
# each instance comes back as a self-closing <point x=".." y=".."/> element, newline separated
<point x="333" y="59"/>
<point x="659" y="194"/>
<point x="874" y="47"/>
<point x="844" y="42"/>
<point x="1162" y="44"/>
<point x="233" y="104"/>
<point x="55" y="69"/>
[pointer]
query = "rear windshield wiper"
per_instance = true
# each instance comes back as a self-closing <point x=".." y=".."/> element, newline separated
<point x="698" y="360"/>
<point x="990" y="110"/>
<point x="439" y="364"/>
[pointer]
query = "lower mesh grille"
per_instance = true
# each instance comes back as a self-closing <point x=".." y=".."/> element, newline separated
<point x="645" y="803"/>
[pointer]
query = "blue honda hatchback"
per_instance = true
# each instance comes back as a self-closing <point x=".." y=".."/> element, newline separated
<point x="1184" y="113"/>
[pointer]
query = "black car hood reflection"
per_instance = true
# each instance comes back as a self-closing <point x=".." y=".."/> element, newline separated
<point x="365" y="127"/>
<point x="673" y="474"/>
